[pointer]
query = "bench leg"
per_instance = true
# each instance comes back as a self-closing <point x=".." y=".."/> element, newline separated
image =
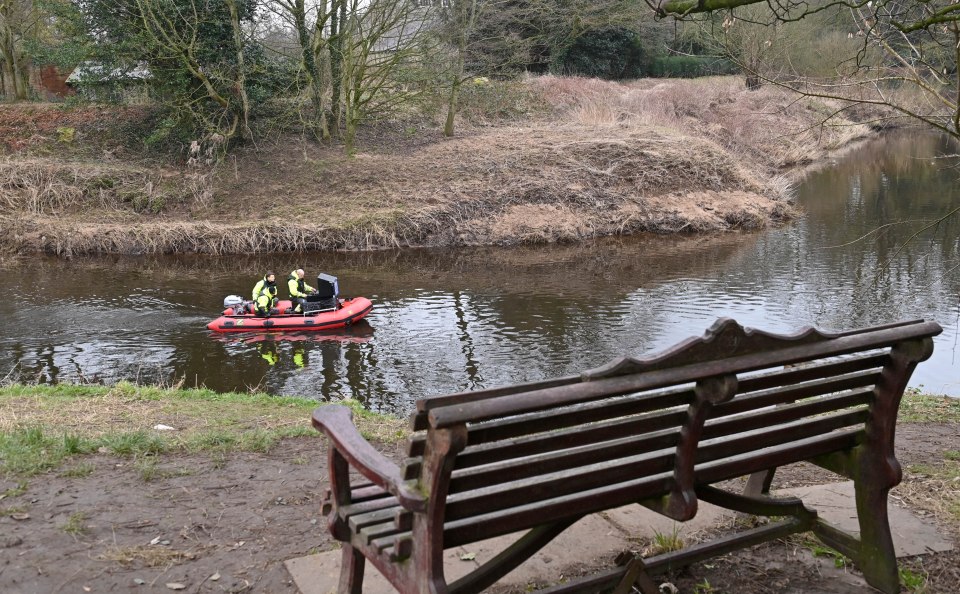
<point x="351" y="571"/>
<point x="878" y="560"/>
<point x="759" y="483"/>
<point x="636" y="575"/>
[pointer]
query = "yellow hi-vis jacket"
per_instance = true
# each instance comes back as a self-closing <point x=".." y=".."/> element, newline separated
<point x="297" y="286"/>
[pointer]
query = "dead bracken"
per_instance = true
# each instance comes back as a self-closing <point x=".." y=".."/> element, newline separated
<point x="595" y="158"/>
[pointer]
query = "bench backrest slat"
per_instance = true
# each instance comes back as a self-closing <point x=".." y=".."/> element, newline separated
<point x="662" y="375"/>
<point x="591" y="430"/>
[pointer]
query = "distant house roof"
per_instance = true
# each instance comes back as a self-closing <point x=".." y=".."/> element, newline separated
<point x="95" y="72"/>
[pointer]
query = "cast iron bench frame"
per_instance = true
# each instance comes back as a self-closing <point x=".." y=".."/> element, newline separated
<point x="660" y="431"/>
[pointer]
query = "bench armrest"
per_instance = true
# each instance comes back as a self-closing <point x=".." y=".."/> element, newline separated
<point x="336" y="422"/>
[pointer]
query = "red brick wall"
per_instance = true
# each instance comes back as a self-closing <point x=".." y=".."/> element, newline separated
<point x="51" y="82"/>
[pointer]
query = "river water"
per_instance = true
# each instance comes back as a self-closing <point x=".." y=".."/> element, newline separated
<point x="450" y="320"/>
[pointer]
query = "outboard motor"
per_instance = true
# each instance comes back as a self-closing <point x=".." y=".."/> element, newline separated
<point x="235" y="302"/>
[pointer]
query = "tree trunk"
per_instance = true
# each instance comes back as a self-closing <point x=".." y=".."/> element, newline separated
<point x="466" y="15"/>
<point x="14" y="73"/>
<point x="338" y="18"/>
<point x="452" y="107"/>
<point x="240" y="77"/>
<point x="315" y="123"/>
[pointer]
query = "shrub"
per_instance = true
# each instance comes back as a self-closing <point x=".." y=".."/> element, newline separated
<point x="690" y="66"/>
<point x="613" y="53"/>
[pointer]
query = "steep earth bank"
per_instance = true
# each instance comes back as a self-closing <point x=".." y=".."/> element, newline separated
<point x="573" y="158"/>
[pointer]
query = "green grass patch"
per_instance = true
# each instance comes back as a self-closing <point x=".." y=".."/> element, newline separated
<point x="29" y="450"/>
<point x="839" y="560"/>
<point x="137" y="443"/>
<point x="666" y="542"/>
<point x="704" y="587"/>
<point x="42" y="426"/>
<point x="76" y="524"/>
<point x="79" y="470"/>
<point x="20" y="489"/>
<point x="150" y="470"/>
<point x="914" y="582"/>
<point x="917" y="407"/>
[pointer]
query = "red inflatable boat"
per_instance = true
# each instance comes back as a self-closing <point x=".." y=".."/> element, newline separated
<point x="346" y="313"/>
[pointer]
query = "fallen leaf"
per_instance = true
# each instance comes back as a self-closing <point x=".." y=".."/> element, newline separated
<point x="468" y="556"/>
<point x="175" y="586"/>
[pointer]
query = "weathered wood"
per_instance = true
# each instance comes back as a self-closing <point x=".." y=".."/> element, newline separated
<point x="660" y="430"/>
<point x="491" y="571"/>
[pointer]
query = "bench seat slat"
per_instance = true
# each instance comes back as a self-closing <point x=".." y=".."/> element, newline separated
<point x="731" y="424"/>
<point x="579" y="436"/>
<point x="558" y="483"/>
<point x="748" y="402"/>
<point x="561" y="418"/>
<point x="505" y="521"/>
<point x="747" y="463"/>
<point x="555" y="461"/>
<point x="544" y="486"/>
<point x="547" y="442"/>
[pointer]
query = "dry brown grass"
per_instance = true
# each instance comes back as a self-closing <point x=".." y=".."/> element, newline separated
<point x="605" y="158"/>
<point x="770" y="126"/>
<point x="935" y="489"/>
<point x="150" y="556"/>
<point x="41" y="186"/>
<point x="516" y="184"/>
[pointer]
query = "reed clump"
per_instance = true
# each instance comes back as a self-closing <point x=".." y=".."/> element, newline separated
<point x="43" y="186"/>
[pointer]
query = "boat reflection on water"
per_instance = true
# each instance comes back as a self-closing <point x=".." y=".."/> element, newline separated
<point x="358" y="333"/>
<point x="320" y="363"/>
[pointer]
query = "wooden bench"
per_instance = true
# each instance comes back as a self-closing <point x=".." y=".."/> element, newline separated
<point x="660" y="431"/>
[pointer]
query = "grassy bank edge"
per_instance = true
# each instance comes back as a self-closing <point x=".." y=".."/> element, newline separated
<point x="42" y="427"/>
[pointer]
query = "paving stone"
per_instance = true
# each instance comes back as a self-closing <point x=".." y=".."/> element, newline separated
<point x="615" y="530"/>
<point x="835" y="504"/>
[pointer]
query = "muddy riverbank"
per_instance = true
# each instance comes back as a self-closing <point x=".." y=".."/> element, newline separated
<point x="576" y="159"/>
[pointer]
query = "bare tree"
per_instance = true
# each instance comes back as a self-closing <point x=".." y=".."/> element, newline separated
<point x="310" y="22"/>
<point x="381" y="43"/>
<point x="17" y="19"/>
<point x="906" y="45"/>
<point x="459" y="18"/>
<point x="176" y="29"/>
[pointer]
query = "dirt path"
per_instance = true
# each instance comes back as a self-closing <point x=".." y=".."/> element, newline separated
<point x="214" y="524"/>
